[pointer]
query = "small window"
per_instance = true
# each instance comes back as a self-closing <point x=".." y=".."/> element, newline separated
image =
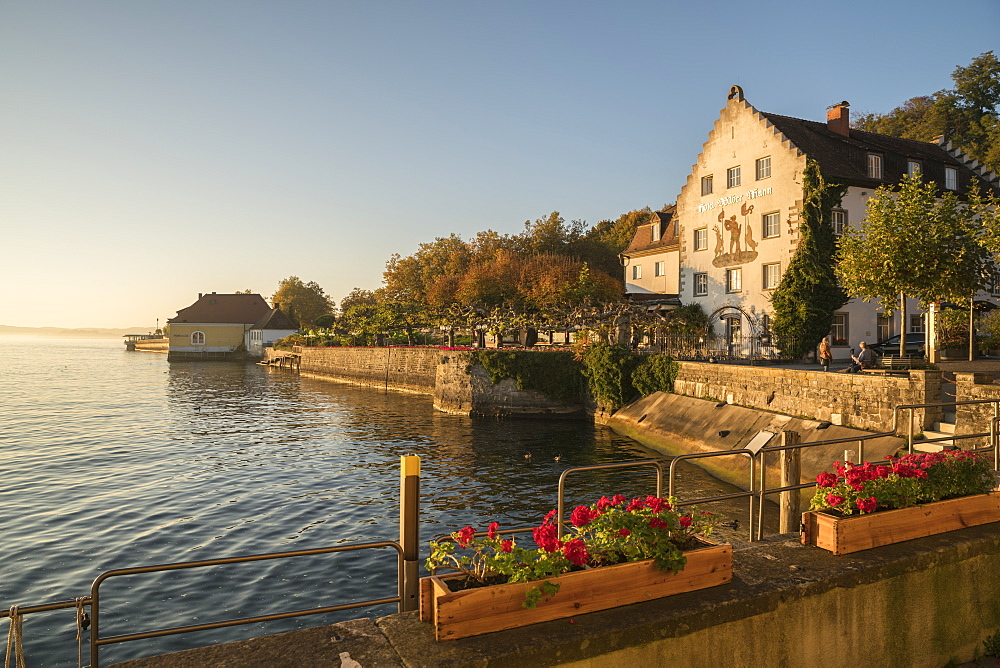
<point x="995" y="290"/>
<point x="882" y="327"/>
<point x="656" y="231"/>
<point x="733" y="177"/>
<point x="771" y="225"/>
<point x="197" y="338"/>
<point x="839" y="329"/>
<point x="913" y="167"/>
<point x="734" y="280"/>
<point x="764" y="168"/>
<point x="700" y="285"/>
<point x="917" y="323"/>
<point x="874" y="166"/>
<point x="950" y="178"/>
<point x="637" y="271"/>
<point x="701" y="239"/>
<point x="660" y="269"/>
<point x="706" y="185"/>
<point x="772" y="274"/>
<point x="838" y="220"/>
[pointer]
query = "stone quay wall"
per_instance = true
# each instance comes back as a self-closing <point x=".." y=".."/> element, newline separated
<point x="452" y="377"/>
<point x="407" y="369"/>
<point x="975" y="418"/>
<point x="860" y="400"/>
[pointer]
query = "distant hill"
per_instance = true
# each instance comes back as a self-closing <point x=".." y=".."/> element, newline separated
<point x="71" y="333"/>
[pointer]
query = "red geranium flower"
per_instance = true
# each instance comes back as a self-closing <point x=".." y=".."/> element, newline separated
<point x="575" y="551"/>
<point x="465" y="535"/>
<point x="825" y="479"/>
<point x="685" y="521"/>
<point x="834" y="500"/>
<point x="506" y="545"/>
<point x="492" y="531"/>
<point x="867" y="505"/>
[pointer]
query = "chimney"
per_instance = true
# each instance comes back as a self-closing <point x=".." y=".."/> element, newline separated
<point x="838" y="118"/>
<point x="199" y="295"/>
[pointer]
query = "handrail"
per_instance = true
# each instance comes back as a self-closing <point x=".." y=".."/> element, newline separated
<point x="561" y="501"/>
<point x="96" y="641"/>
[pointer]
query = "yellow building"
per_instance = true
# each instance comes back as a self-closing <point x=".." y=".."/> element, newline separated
<point x="215" y="326"/>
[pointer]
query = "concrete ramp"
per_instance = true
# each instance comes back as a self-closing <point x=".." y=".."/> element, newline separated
<point x="675" y="424"/>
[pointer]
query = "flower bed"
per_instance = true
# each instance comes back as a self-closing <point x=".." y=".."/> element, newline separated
<point x="620" y="552"/>
<point x="913" y="496"/>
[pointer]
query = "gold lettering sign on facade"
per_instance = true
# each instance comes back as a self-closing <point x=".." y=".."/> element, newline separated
<point x="753" y="193"/>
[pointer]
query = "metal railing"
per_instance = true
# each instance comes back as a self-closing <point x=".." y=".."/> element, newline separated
<point x="94" y="600"/>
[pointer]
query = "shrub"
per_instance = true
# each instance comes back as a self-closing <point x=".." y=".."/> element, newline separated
<point x="609" y="373"/>
<point x="656" y="373"/>
<point x="555" y="373"/>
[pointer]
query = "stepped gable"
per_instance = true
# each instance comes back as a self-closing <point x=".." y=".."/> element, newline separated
<point x="224" y="308"/>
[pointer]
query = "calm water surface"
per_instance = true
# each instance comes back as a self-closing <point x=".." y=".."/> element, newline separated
<point x="113" y="459"/>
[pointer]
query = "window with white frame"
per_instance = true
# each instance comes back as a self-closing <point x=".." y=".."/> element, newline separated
<point x="733" y="329"/>
<point x="883" y="326"/>
<point x="660" y="269"/>
<point x="636" y="271"/>
<point x="701" y="239"/>
<point x="874" y="166"/>
<point x="656" y="231"/>
<point x="734" y="280"/>
<point x="763" y="168"/>
<point x="951" y="178"/>
<point x="772" y="274"/>
<point x="913" y="167"/>
<point x="700" y="284"/>
<point x="197" y="338"/>
<point x="733" y="177"/>
<point x="917" y="323"/>
<point x="838" y="220"/>
<point x="771" y="225"/>
<point x="995" y="291"/>
<point x="706" y="185"/>
<point x="838" y="331"/>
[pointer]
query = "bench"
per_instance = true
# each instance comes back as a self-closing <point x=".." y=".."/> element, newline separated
<point x="895" y="362"/>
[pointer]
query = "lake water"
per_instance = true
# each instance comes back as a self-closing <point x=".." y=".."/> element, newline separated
<point x="113" y="459"/>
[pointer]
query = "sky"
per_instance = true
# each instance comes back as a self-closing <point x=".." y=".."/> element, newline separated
<point x="154" y="150"/>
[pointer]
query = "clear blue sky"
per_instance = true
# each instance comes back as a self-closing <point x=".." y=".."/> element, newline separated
<point x="151" y="150"/>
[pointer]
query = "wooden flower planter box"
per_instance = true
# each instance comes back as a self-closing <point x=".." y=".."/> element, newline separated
<point x="843" y="535"/>
<point x="472" y="612"/>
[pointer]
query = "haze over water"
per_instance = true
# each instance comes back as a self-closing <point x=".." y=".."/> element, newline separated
<point x="113" y="460"/>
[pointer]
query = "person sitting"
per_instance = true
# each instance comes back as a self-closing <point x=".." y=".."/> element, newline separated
<point x="863" y="360"/>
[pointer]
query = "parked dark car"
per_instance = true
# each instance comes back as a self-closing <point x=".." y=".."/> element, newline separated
<point x="915" y="345"/>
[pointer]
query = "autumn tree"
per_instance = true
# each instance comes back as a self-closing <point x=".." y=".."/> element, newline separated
<point x="918" y="243"/>
<point x="301" y="302"/>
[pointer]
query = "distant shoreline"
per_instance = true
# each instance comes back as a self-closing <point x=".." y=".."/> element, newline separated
<point x="71" y="332"/>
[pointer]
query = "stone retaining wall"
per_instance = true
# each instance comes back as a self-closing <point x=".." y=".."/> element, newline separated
<point x="975" y="418"/>
<point x="408" y="369"/>
<point x="865" y="401"/>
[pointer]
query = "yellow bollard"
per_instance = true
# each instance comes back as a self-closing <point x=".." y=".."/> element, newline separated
<point x="409" y="530"/>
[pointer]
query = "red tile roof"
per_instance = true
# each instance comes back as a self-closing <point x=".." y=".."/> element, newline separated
<point x="224" y="308"/>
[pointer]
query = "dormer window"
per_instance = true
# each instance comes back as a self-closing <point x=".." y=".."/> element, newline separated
<point x="874" y="166"/>
<point x="656" y="231"/>
<point x="950" y="178"/>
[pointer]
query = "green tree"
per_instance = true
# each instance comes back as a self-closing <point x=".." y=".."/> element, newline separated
<point x="301" y="302"/>
<point x="917" y="243"/>
<point x="968" y="115"/>
<point x="808" y="293"/>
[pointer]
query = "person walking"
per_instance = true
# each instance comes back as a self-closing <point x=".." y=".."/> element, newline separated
<point x="824" y="353"/>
